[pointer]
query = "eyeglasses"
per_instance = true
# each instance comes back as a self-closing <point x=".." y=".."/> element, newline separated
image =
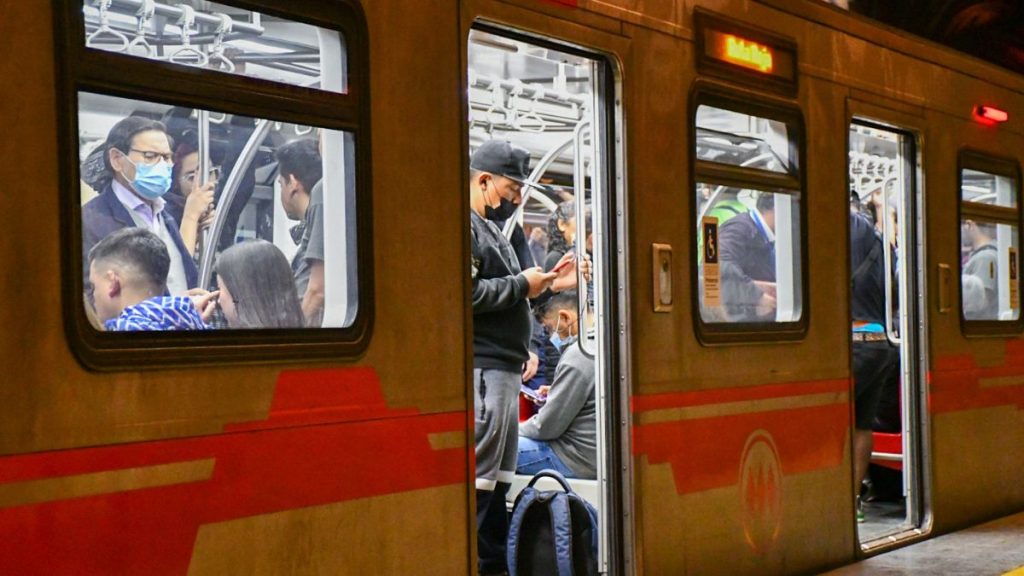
<point x="214" y="175"/>
<point x="150" y="157"/>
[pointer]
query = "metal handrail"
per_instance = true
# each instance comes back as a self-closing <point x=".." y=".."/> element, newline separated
<point x="890" y="332"/>
<point x="535" y="175"/>
<point x="227" y="196"/>
<point x="580" y="196"/>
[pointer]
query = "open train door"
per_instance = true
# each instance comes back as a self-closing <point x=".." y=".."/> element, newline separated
<point x="888" y="333"/>
<point x="551" y="87"/>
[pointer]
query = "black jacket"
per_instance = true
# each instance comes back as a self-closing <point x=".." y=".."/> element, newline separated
<point x="501" y="312"/>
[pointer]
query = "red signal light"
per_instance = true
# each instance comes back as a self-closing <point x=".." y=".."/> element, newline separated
<point x="990" y="115"/>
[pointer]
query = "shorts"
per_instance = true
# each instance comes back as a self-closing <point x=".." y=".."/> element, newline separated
<point x="874" y="365"/>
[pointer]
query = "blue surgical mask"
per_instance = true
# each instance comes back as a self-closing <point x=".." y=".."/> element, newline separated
<point x="557" y="341"/>
<point x="152" y="180"/>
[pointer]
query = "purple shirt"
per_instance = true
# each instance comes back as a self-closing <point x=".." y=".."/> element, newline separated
<point x="137" y="205"/>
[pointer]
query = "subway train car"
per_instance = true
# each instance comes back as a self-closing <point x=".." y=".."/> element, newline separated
<point x="330" y="140"/>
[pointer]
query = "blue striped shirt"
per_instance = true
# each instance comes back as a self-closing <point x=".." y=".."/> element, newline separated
<point x="160" y="313"/>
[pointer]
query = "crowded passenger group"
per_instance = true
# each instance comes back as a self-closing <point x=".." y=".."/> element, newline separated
<point x="145" y="207"/>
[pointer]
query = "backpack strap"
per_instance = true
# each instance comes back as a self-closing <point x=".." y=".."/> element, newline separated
<point x="871" y="258"/>
<point x="554" y="475"/>
<point x="526" y="498"/>
<point x="561" y="529"/>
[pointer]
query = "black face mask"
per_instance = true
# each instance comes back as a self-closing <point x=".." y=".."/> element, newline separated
<point x="503" y="212"/>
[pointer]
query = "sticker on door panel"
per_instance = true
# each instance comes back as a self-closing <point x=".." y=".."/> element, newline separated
<point x="711" y="283"/>
<point x="1014" y="290"/>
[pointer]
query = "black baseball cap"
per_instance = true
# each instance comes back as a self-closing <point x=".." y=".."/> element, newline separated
<point x="502" y="158"/>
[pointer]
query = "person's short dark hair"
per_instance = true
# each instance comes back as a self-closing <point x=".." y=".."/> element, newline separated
<point x="136" y="248"/>
<point x="765" y="202"/>
<point x="301" y="159"/>
<point x="96" y="169"/>
<point x="566" y="300"/>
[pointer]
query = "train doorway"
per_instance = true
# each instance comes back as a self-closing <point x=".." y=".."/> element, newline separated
<point x="558" y="103"/>
<point x="887" y="332"/>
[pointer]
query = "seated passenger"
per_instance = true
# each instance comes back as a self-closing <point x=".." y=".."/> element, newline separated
<point x="746" y="246"/>
<point x="300" y="174"/>
<point x="128" y="283"/>
<point x="563" y="433"/>
<point x="257" y="289"/>
<point x="132" y="171"/>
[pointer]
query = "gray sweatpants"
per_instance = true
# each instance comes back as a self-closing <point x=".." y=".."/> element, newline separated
<point x="497" y="425"/>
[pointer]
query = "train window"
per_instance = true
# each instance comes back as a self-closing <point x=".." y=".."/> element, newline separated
<point x="211" y="154"/>
<point x="989" y="241"/>
<point x="261" y="226"/>
<point x="738" y="139"/>
<point x="748" y="196"/>
<point x="214" y="36"/>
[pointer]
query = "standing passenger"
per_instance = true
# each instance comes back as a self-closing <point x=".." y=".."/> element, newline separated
<point x="300" y="175"/>
<point x="746" y="245"/>
<point x="875" y="363"/>
<point x="983" y="264"/>
<point x="132" y="170"/>
<point x="501" y="337"/>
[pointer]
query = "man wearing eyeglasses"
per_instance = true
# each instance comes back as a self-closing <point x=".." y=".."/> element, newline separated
<point x="132" y="169"/>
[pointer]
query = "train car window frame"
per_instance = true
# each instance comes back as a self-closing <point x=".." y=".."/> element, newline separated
<point x="707" y="94"/>
<point x="81" y="69"/>
<point x="975" y="160"/>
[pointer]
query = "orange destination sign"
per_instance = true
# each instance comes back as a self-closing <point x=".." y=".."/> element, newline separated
<point x="765" y="57"/>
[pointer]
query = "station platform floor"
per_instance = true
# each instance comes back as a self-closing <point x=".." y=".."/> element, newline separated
<point x="995" y="548"/>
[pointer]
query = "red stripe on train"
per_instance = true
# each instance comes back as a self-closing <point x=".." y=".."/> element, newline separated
<point x="705" y="453"/>
<point x="955" y="384"/>
<point x="153" y="531"/>
<point x="722" y="396"/>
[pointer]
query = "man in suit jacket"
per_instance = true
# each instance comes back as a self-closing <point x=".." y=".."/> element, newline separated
<point x="747" y="255"/>
<point x="132" y="169"/>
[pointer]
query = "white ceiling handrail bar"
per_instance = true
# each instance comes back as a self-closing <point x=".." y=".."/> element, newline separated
<point x="175" y="13"/>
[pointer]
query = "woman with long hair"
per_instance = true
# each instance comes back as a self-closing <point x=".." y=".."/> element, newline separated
<point x="561" y="233"/>
<point x="256" y="287"/>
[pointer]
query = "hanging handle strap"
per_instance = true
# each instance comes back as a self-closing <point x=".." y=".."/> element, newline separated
<point x="186" y="53"/>
<point x="145" y="13"/>
<point x="217" y="57"/>
<point x="105" y="30"/>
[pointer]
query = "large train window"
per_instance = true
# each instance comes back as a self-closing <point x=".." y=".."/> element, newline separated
<point x="748" y="197"/>
<point x="989" y="244"/>
<point x="214" y="154"/>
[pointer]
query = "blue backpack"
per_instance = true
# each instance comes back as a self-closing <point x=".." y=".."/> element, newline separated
<point x="552" y="533"/>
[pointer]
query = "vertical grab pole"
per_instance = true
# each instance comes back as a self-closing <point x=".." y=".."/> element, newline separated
<point x="890" y="333"/>
<point x="580" y="197"/>
<point x="227" y="196"/>
<point x="204" y="168"/>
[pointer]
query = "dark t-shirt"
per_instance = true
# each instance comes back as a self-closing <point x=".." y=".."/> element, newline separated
<point x="868" y="292"/>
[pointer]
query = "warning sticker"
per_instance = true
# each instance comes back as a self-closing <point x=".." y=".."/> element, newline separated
<point x="1014" y="284"/>
<point x="712" y="284"/>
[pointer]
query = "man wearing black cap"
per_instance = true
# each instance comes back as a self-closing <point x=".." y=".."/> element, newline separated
<point x="501" y="336"/>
